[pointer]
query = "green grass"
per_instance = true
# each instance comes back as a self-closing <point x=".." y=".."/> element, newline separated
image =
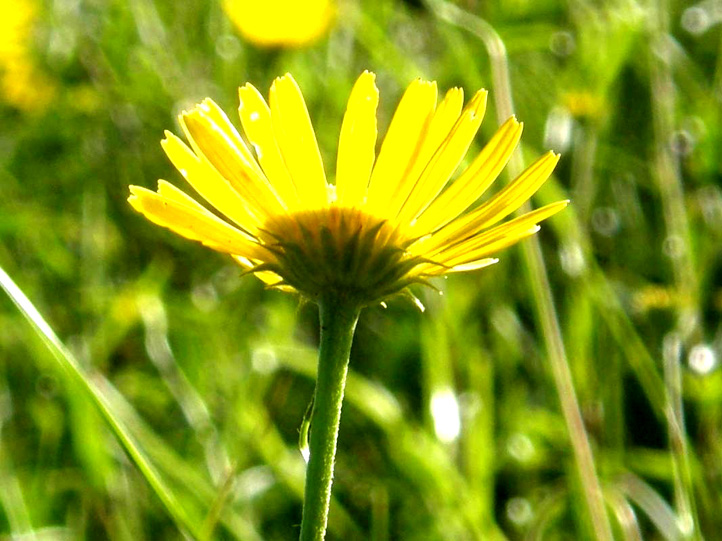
<point x="172" y="399"/>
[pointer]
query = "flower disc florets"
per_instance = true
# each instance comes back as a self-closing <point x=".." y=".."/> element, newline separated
<point x="342" y="250"/>
<point x="389" y="220"/>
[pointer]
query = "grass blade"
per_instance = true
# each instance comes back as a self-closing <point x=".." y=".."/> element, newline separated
<point x="80" y="377"/>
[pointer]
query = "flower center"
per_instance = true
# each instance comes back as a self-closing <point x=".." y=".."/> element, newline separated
<point x="341" y="251"/>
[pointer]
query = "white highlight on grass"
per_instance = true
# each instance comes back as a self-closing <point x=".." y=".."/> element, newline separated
<point x="702" y="359"/>
<point x="605" y="221"/>
<point x="519" y="511"/>
<point x="204" y="296"/>
<point x="571" y="258"/>
<point x="520" y="447"/>
<point x="445" y="413"/>
<point x="674" y="246"/>
<point x="253" y="482"/>
<point x="686" y="525"/>
<point x="305" y="453"/>
<point x="558" y="129"/>
<point x="228" y="47"/>
<point x="264" y="361"/>
<point x="699" y="18"/>
<point x="331" y="194"/>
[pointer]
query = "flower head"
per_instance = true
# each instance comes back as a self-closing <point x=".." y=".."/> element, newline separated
<point x="284" y="23"/>
<point x="387" y="222"/>
<point x="22" y="83"/>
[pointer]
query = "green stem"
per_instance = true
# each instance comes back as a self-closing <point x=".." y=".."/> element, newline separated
<point x="338" y="321"/>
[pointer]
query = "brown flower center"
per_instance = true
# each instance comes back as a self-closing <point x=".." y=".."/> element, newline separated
<point x="340" y="250"/>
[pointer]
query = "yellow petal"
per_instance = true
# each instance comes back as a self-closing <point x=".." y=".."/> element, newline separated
<point x="403" y="142"/>
<point x="168" y="191"/>
<point x="445" y="160"/>
<point x="209" y="183"/>
<point x="475" y="265"/>
<point x="193" y="224"/>
<point x="297" y="141"/>
<point x="216" y="114"/>
<point x="445" y="118"/>
<point x="357" y="142"/>
<point x="211" y="143"/>
<point x="478" y="245"/>
<point x="474" y="181"/>
<point x="491" y="247"/>
<point x="256" y="119"/>
<point x="267" y="277"/>
<point x="517" y="192"/>
<point x="501" y="205"/>
<point x="430" y="269"/>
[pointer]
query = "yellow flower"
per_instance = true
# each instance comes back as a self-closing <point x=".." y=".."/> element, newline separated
<point x="584" y="104"/>
<point x="287" y="23"/>
<point x="22" y="83"/>
<point x="388" y="222"/>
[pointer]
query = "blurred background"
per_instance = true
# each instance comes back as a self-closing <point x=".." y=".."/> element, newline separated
<point x="452" y="427"/>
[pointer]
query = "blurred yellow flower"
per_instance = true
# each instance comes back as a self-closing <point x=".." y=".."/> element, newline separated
<point x="22" y="83"/>
<point x="284" y="23"/>
<point x="584" y="104"/>
<point x="389" y="221"/>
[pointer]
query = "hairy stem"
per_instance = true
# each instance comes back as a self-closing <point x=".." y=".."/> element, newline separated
<point x="338" y="321"/>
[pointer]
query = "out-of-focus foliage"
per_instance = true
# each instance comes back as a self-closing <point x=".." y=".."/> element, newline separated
<point x="452" y="427"/>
